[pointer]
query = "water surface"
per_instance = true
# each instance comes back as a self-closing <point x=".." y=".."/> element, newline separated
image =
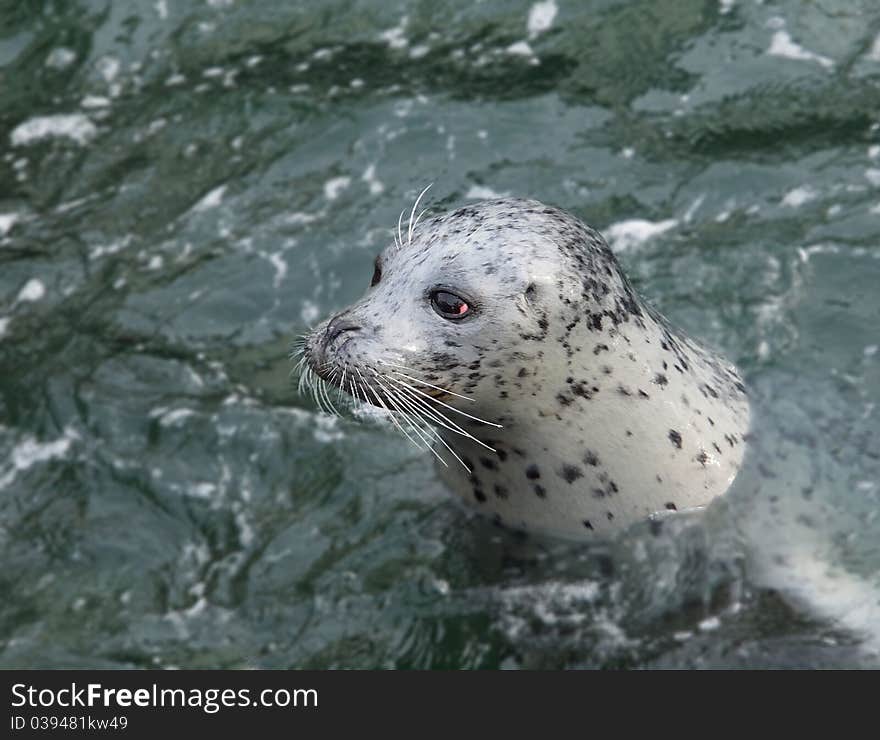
<point x="186" y="186"/>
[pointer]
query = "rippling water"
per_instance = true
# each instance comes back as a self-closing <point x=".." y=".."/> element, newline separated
<point x="185" y="186"/>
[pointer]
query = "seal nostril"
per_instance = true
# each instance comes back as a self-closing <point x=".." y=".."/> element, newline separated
<point x="337" y="326"/>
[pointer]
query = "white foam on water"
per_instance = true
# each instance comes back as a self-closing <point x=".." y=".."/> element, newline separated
<point x="161" y="7"/>
<point x="94" y="101"/>
<point x="7" y="221"/>
<point x="310" y="312"/>
<point x="301" y="217"/>
<point x="276" y="259"/>
<point x="798" y="196"/>
<point x="30" y="452"/>
<point x="102" y="250"/>
<point x="75" y="126"/>
<point x="874" y="54"/>
<point x="394" y="36"/>
<point x="170" y="417"/>
<point x="33" y="290"/>
<point x="782" y="45"/>
<point x="334" y="186"/>
<point x="541" y="16"/>
<point x="627" y="234"/>
<point x="710" y="624"/>
<point x="872" y="175"/>
<point x="520" y="48"/>
<point x="373" y="182"/>
<point x="108" y="68"/>
<point x="211" y="199"/>
<point x="832" y="592"/>
<point x="693" y="208"/>
<point x="60" y="57"/>
<point x="327" y="429"/>
<point x="202" y="490"/>
<point x="481" y="192"/>
<point x="725" y="6"/>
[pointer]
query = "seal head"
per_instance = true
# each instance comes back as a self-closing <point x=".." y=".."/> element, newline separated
<point x="505" y="336"/>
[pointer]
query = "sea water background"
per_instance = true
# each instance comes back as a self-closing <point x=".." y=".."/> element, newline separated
<point x="186" y="185"/>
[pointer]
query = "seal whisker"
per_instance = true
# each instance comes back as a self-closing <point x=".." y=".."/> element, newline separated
<point x="394" y="421"/>
<point x="313" y="387"/>
<point x="431" y="385"/>
<point x="444" y="420"/>
<point x="436" y="434"/>
<point x="413" y="213"/>
<point x="354" y="393"/>
<point x="423" y="432"/>
<point x="325" y="392"/>
<point x="446" y="405"/>
<point x="423" y="382"/>
<point x="418" y="218"/>
<point x="400" y="230"/>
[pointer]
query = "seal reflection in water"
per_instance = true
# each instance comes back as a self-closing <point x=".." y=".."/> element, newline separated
<point x="505" y="336"/>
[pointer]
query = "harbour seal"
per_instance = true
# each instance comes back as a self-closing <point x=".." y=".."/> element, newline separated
<point x="505" y="336"/>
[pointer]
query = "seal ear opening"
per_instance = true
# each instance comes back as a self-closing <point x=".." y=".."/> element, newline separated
<point x="531" y="289"/>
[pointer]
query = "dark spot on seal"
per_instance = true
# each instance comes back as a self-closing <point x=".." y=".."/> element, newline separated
<point x="642" y="394"/>
<point x="590" y="458"/>
<point x="540" y="491"/>
<point x="571" y="473"/>
<point x="488" y="463"/>
<point x="500" y="491"/>
<point x="660" y="379"/>
<point x="609" y="516"/>
<point x="703" y="458"/>
<point x="587" y="524"/>
<point x="675" y="438"/>
<point x="479" y="496"/>
<point x="671" y="506"/>
<point x="522" y="373"/>
<point x="532" y="472"/>
<point x="564" y="400"/>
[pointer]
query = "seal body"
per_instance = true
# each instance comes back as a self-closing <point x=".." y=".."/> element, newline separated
<point x="506" y="335"/>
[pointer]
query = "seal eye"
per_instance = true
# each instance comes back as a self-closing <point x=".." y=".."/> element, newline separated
<point x="449" y="306"/>
<point x="377" y="273"/>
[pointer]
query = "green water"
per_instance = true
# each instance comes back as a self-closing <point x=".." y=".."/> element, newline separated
<point x="185" y="186"/>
